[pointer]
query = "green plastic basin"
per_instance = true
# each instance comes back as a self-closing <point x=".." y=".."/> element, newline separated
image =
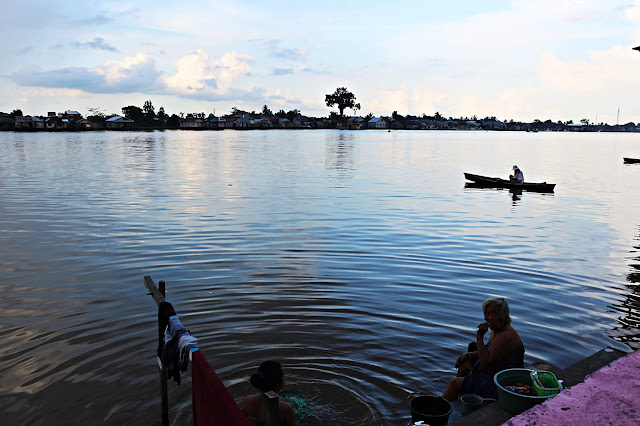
<point x="515" y="403"/>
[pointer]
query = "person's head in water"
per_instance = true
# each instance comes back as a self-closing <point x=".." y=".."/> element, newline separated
<point x="502" y="307"/>
<point x="269" y="377"/>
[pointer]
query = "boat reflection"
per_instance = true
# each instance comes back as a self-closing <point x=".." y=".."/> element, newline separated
<point x="516" y="193"/>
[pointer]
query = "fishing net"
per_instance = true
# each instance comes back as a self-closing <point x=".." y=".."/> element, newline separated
<point x="299" y="403"/>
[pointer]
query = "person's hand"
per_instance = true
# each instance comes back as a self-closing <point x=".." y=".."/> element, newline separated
<point x="482" y="329"/>
<point x="462" y="359"/>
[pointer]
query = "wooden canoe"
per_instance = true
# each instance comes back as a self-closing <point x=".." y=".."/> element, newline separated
<point x="491" y="182"/>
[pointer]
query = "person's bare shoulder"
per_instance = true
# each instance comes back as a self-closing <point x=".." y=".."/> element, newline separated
<point x="249" y="402"/>
<point x="287" y="410"/>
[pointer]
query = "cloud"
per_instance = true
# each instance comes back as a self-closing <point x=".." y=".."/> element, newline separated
<point x="201" y="76"/>
<point x="198" y="76"/>
<point x="133" y="74"/>
<point x="97" y="43"/>
<point x="292" y="54"/>
<point x="98" y="19"/>
<point x="25" y="50"/>
<point x="282" y="71"/>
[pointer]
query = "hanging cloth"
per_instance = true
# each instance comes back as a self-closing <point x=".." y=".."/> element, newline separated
<point x="212" y="403"/>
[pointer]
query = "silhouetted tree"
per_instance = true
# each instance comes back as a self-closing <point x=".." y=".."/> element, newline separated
<point x="266" y="111"/>
<point x="173" y="122"/>
<point x="292" y="114"/>
<point x="343" y="99"/>
<point x="16" y="113"/>
<point x="148" y="108"/>
<point x="133" y="112"/>
<point x="95" y="112"/>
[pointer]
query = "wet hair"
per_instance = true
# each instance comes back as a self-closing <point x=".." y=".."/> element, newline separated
<point x="268" y="377"/>
<point x="504" y="308"/>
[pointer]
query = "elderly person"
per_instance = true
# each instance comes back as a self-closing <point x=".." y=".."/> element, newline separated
<point x="504" y="350"/>
<point x="517" y="176"/>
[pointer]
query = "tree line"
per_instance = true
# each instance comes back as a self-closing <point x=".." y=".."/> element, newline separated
<point x="341" y="98"/>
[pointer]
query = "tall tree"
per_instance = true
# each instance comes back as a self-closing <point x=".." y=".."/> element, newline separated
<point x="148" y="108"/>
<point x="292" y="114"/>
<point x="96" y="112"/>
<point x="132" y="112"/>
<point x="161" y="113"/>
<point x="266" y="111"/>
<point x="16" y="113"/>
<point x="343" y="99"/>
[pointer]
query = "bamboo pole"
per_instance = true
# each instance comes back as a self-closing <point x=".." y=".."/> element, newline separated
<point x="158" y="295"/>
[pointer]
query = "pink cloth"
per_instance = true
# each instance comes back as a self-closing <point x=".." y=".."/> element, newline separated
<point x="212" y="403"/>
<point x="610" y="396"/>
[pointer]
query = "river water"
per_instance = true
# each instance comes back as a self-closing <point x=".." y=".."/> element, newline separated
<point x="357" y="259"/>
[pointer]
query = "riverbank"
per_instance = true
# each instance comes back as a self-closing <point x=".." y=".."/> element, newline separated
<point x="574" y="380"/>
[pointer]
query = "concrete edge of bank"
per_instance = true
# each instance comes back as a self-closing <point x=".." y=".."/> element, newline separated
<point x="493" y="414"/>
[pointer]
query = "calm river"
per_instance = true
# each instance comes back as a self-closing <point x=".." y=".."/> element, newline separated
<point x="358" y="259"/>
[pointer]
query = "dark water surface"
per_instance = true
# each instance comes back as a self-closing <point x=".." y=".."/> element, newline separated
<point x="358" y="259"/>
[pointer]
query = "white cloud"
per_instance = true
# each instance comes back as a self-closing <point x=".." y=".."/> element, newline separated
<point x="200" y="75"/>
<point x="133" y="74"/>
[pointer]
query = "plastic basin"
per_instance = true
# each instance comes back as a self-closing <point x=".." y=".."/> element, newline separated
<point x="515" y="403"/>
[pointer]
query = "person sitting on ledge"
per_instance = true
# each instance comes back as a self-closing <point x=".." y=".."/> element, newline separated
<point x="517" y="176"/>
<point x="504" y="350"/>
<point x="268" y="379"/>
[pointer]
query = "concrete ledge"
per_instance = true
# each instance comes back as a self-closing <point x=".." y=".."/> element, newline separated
<point x="494" y="414"/>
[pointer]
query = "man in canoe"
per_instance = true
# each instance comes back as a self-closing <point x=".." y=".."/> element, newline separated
<point x="517" y="176"/>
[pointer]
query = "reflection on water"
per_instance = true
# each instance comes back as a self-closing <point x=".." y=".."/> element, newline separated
<point x="358" y="259"/>
<point x="628" y="331"/>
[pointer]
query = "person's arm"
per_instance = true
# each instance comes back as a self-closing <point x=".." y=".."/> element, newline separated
<point x="467" y="356"/>
<point x="497" y="351"/>
<point x="288" y="415"/>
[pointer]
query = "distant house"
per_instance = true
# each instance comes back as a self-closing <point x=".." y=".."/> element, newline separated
<point x="493" y="125"/>
<point x="377" y="123"/>
<point x="72" y="115"/>
<point x="215" y="123"/>
<point x="6" y="121"/>
<point x="301" y="122"/>
<point x="38" y="123"/>
<point x="262" y="123"/>
<point x="56" y="123"/>
<point x="25" y="122"/>
<point x="82" y="124"/>
<point x="398" y="124"/>
<point x="118" y="122"/>
<point x="243" y="123"/>
<point x="355" y="123"/>
<point x="192" y="123"/>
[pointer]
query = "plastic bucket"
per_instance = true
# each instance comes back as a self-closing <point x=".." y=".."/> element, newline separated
<point x="513" y="402"/>
<point x="433" y="410"/>
<point x="470" y="402"/>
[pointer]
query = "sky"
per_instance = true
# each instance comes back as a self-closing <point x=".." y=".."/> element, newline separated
<point x="513" y="59"/>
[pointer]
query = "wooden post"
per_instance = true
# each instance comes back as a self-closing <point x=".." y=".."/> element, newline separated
<point x="158" y="296"/>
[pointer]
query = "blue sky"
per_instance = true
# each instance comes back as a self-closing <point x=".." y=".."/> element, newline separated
<point x="513" y="59"/>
